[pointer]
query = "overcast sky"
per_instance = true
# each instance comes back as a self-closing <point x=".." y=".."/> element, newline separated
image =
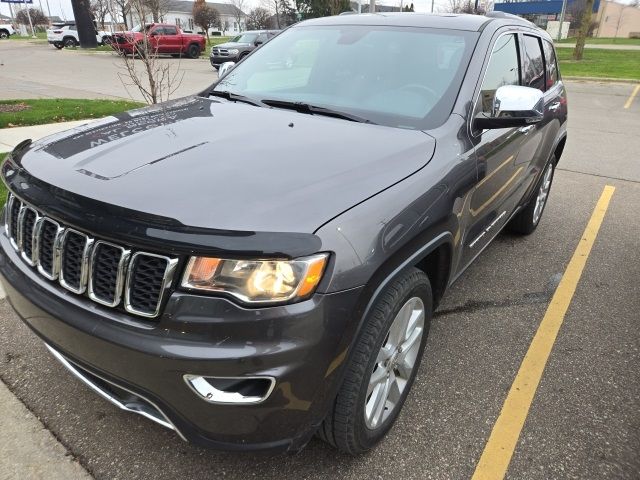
<point x="62" y="8"/>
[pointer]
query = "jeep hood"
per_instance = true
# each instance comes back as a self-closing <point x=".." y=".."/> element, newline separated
<point x="215" y="164"/>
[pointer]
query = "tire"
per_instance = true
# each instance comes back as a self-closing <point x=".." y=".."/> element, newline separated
<point x="4" y="34"/>
<point x="193" y="51"/>
<point x="527" y="219"/>
<point x="69" y="42"/>
<point x="58" y="45"/>
<point x="138" y="49"/>
<point x="352" y="425"/>
<point x="106" y="40"/>
<point x="242" y="55"/>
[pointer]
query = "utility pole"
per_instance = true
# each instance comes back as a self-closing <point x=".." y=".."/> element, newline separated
<point x="359" y="6"/>
<point x="84" y="23"/>
<point x="26" y="7"/>
<point x="432" y="1"/>
<point x="562" y="12"/>
<point x="372" y="6"/>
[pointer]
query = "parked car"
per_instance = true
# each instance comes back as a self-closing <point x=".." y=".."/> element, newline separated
<point x="239" y="46"/>
<point x="6" y="30"/>
<point x="65" y="35"/>
<point x="161" y="38"/>
<point x="261" y="262"/>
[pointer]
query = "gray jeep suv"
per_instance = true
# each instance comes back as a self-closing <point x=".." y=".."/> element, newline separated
<point x="239" y="46"/>
<point x="260" y="262"/>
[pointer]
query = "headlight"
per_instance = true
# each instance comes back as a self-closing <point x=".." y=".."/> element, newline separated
<point x="233" y="51"/>
<point x="256" y="281"/>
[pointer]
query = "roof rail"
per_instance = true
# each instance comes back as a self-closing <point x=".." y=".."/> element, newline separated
<point x="499" y="14"/>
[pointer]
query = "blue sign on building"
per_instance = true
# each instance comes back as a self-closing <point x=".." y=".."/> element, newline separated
<point x="537" y="7"/>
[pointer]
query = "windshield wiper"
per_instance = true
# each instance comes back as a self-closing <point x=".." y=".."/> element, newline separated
<point x="315" y="110"/>
<point x="235" y="97"/>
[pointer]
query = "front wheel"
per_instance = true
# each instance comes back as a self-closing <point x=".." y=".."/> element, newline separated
<point x="58" y="45"/>
<point x="527" y="219"/>
<point x="4" y="34"/>
<point x="382" y="367"/>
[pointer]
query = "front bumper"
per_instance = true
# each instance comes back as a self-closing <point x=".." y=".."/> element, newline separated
<point x="216" y="61"/>
<point x="302" y="346"/>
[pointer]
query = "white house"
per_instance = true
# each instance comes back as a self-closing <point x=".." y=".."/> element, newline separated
<point x="179" y="12"/>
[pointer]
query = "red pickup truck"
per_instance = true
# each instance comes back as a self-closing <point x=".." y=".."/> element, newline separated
<point x="162" y="38"/>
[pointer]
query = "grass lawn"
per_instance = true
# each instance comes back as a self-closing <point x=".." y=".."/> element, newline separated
<point x="604" y="41"/>
<point x="19" y="113"/>
<point x="40" y="37"/>
<point x="601" y="63"/>
<point x="213" y="41"/>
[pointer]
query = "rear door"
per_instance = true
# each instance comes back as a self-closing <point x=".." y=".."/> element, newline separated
<point x="171" y="39"/>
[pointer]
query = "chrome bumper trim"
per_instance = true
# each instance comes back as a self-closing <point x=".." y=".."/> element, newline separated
<point x="134" y="407"/>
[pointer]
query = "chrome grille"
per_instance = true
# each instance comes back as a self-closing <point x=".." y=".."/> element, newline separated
<point x="104" y="271"/>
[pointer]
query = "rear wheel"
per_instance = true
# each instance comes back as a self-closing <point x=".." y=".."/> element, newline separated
<point x="382" y="367"/>
<point x="4" y="33"/>
<point x="106" y="40"/>
<point x="193" y="51"/>
<point x="527" y="220"/>
<point x="69" y="42"/>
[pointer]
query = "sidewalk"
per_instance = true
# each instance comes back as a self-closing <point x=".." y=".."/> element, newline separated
<point x="604" y="46"/>
<point x="10" y="137"/>
<point x="28" y="449"/>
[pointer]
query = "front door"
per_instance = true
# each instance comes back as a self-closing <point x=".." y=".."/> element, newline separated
<point x="500" y="170"/>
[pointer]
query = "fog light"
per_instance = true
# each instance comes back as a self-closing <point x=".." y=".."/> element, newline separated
<point x="243" y="390"/>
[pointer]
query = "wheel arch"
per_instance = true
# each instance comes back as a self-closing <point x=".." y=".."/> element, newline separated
<point x="559" y="147"/>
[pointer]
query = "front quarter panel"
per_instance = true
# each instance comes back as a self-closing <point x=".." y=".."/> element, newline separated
<point x="380" y="233"/>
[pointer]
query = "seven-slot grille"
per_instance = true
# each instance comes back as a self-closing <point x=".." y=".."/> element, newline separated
<point x="105" y="271"/>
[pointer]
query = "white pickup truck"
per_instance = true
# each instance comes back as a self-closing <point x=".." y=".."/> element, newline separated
<point x="66" y="35"/>
<point x="6" y="30"/>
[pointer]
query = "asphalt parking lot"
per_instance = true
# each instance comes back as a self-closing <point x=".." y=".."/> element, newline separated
<point x="584" y="421"/>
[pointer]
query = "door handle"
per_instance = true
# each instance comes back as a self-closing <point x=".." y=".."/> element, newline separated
<point x="554" y="106"/>
<point x="526" y="129"/>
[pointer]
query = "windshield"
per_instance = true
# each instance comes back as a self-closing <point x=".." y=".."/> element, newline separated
<point x="395" y="76"/>
<point x="138" y="28"/>
<point x="245" y="38"/>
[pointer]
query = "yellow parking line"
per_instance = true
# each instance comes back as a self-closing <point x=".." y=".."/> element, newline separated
<point x="497" y="452"/>
<point x="632" y="96"/>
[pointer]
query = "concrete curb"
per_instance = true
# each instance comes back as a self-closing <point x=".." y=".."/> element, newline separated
<point x="28" y="449"/>
<point x="600" y="79"/>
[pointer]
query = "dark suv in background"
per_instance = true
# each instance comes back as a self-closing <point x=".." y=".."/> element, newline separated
<point x="239" y="46"/>
<point x="248" y="294"/>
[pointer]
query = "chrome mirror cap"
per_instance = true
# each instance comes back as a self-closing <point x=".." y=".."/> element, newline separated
<point x="225" y="68"/>
<point x="514" y="101"/>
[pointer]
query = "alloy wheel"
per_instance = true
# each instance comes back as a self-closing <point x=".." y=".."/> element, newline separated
<point x="543" y="194"/>
<point x="395" y="363"/>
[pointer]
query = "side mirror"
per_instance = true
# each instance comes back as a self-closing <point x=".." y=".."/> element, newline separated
<point x="513" y="106"/>
<point x="225" y="68"/>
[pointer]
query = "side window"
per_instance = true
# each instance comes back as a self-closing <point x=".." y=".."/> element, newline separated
<point x="170" y="31"/>
<point x="157" y="31"/>
<point x="532" y="63"/>
<point x="502" y="70"/>
<point x="552" y="64"/>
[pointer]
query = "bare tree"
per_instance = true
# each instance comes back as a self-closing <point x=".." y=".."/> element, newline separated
<point x="121" y="8"/>
<point x="205" y="16"/>
<point x="37" y="17"/>
<point x="156" y="79"/>
<point x="464" y="6"/>
<point x="258" y="19"/>
<point x="156" y="8"/>
<point x="238" y="13"/>
<point x="100" y="9"/>
<point x="585" y="22"/>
